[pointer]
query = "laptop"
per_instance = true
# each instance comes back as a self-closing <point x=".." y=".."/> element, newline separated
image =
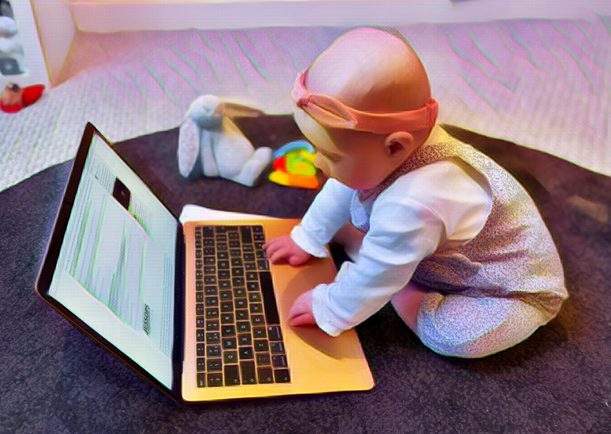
<point x="196" y="309"/>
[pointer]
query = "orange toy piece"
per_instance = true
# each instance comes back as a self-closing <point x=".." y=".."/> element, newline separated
<point x="293" y="180"/>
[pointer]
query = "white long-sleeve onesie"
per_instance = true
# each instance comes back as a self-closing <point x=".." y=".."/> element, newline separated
<point x="421" y="212"/>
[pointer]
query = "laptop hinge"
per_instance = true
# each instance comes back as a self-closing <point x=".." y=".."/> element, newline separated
<point x="179" y="311"/>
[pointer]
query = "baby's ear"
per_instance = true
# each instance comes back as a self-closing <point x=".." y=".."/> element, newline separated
<point x="399" y="145"/>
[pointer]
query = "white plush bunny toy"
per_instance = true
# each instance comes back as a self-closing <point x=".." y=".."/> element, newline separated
<point x="209" y="136"/>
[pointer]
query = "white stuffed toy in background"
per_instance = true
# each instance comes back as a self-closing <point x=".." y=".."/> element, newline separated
<point x="208" y="133"/>
<point x="11" y="51"/>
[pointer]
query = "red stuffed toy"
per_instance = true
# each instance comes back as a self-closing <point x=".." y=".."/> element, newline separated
<point x="14" y="98"/>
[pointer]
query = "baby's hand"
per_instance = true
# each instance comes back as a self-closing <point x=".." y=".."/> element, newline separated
<point x="301" y="311"/>
<point x="285" y="248"/>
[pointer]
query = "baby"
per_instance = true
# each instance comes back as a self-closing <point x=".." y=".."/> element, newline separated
<point x="433" y="226"/>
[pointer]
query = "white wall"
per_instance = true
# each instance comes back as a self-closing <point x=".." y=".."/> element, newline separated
<point x="56" y="29"/>
<point x="47" y="27"/>
<point x="120" y="15"/>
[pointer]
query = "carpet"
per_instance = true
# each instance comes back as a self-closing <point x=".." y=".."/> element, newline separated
<point x="55" y="380"/>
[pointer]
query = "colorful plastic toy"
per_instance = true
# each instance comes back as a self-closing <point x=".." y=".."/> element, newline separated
<point x="294" y="165"/>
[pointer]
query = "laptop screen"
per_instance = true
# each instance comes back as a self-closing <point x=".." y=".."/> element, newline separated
<point x="116" y="267"/>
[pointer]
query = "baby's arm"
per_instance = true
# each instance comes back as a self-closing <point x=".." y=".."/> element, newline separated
<point x="327" y="214"/>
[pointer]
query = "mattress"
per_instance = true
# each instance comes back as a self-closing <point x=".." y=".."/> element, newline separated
<point x="544" y="84"/>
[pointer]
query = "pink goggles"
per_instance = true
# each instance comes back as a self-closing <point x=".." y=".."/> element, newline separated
<point x="331" y="112"/>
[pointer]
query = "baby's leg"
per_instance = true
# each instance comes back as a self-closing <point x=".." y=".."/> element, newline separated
<point x="461" y="326"/>
<point x="351" y="239"/>
<point x="407" y="303"/>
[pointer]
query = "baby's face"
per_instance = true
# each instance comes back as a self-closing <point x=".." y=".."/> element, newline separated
<point x="356" y="160"/>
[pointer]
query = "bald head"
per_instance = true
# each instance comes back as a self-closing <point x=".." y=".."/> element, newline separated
<point x="372" y="70"/>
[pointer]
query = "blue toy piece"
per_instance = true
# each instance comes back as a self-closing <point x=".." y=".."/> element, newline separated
<point x="292" y="146"/>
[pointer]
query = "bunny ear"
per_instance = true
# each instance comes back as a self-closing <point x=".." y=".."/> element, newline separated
<point x="188" y="146"/>
<point x="234" y="110"/>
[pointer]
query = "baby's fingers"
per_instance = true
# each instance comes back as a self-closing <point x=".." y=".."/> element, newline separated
<point x="304" y="319"/>
<point x="276" y="255"/>
<point x="284" y="247"/>
<point x="276" y="243"/>
<point x="301" y="311"/>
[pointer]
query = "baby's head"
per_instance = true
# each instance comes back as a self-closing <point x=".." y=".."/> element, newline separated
<point x="366" y="105"/>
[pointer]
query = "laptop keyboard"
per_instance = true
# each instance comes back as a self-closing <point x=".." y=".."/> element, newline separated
<point x="239" y="340"/>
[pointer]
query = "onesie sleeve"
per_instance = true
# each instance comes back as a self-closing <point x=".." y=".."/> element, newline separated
<point x="329" y="211"/>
